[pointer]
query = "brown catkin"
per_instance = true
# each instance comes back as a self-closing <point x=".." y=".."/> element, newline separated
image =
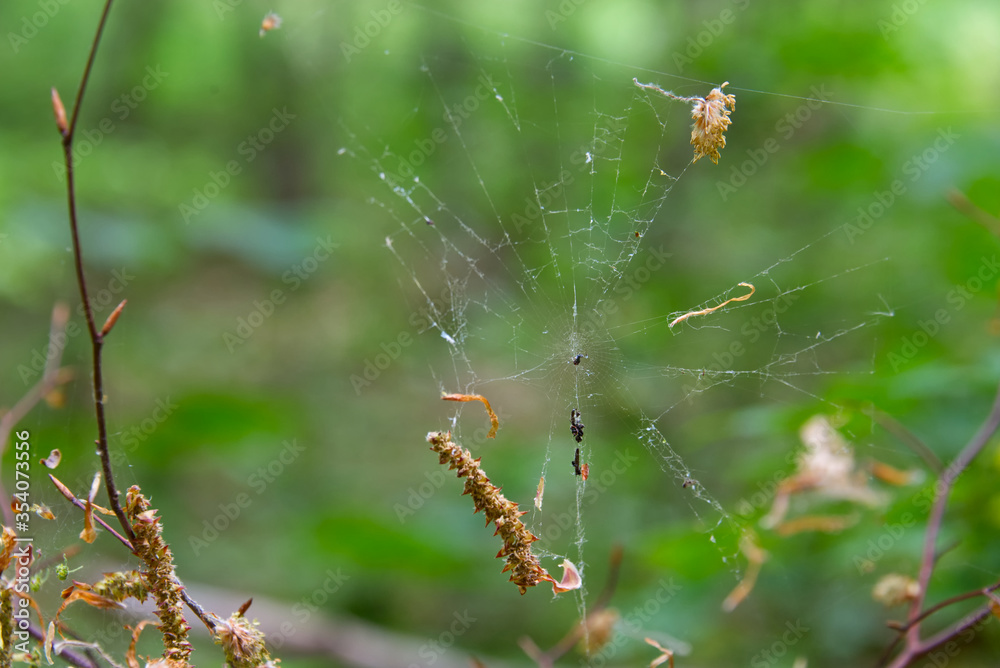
<point x="526" y="571"/>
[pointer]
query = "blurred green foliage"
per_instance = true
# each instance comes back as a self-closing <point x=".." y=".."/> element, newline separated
<point x="897" y="74"/>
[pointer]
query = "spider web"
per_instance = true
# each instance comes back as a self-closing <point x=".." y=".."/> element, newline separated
<point x="547" y="284"/>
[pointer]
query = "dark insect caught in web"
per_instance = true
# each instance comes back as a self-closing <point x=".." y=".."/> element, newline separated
<point x="575" y="426"/>
<point x="577" y="359"/>
<point x="576" y="463"/>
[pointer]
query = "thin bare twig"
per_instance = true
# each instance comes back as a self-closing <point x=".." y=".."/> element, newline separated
<point x="96" y="338"/>
<point x="66" y="654"/>
<point x="907" y="437"/>
<point x="958" y="200"/>
<point x="205" y="617"/>
<point x="83" y="506"/>
<point x="48" y="382"/>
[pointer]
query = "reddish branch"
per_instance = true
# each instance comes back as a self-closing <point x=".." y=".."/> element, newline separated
<point x="68" y="130"/>
<point x="914" y="645"/>
<point x="96" y="336"/>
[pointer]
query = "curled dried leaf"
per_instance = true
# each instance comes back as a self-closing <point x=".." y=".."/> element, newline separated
<point x="52" y="460"/>
<point x="570" y="580"/>
<point x="494" y="420"/>
<point x="80" y="591"/>
<point x="706" y="311"/>
<point x="130" y="657"/>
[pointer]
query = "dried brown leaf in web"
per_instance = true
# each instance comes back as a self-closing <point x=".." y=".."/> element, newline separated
<point x="711" y="118"/>
<point x="706" y="311"/>
<point x="494" y="420"/>
<point x="52" y="461"/>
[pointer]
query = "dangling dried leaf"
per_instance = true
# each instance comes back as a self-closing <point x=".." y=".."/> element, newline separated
<point x="52" y="460"/>
<point x="81" y="591"/>
<point x="570" y="580"/>
<point x="895" y="589"/>
<point x="538" y="494"/>
<point x="494" y="420"/>
<point x="711" y="119"/>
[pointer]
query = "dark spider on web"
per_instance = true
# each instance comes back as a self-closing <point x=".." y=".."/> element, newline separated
<point x="576" y="463"/>
<point x="575" y="426"/>
<point x="577" y="360"/>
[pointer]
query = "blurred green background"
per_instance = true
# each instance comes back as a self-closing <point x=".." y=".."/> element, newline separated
<point x="324" y="463"/>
